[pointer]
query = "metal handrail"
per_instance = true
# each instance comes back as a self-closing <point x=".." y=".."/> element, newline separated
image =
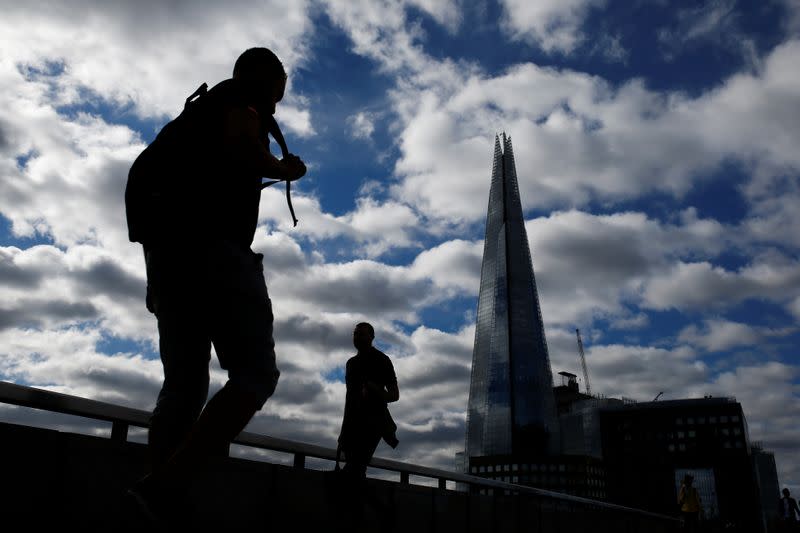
<point x="123" y="417"/>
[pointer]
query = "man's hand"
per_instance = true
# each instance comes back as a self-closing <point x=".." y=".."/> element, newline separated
<point x="371" y="388"/>
<point x="294" y="167"/>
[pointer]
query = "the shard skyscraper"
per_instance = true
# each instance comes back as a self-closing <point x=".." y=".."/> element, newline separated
<point x="511" y="408"/>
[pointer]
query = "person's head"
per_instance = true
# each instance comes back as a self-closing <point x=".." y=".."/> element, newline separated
<point x="363" y="335"/>
<point x="687" y="479"/>
<point x="786" y="492"/>
<point x="263" y="73"/>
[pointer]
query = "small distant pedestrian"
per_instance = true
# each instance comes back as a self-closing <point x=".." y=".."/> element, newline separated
<point x="788" y="512"/>
<point x="689" y="501"/>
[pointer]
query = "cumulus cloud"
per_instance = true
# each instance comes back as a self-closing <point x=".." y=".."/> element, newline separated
<point x="718" y="335"/>
<point x="362" y="125"/>
<point x="142" y="55"/>
<point x="703" y="285"/>
<point x="554" y="25"/>
<point x="621" y="142"/>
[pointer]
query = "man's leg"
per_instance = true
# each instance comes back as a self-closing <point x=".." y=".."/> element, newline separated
<point x="182" y="395"/>
<point x="185" y="348"/>
<point x="357" y="456"/>
<point x="240" y="323"/>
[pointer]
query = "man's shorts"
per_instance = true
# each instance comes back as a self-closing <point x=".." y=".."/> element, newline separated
<point x="214" y="293"/>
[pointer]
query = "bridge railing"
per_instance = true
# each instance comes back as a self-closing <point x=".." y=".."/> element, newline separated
<point x="122" y="418"/>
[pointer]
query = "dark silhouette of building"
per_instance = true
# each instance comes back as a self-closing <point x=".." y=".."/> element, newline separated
<point x="511" y="409"/>
<point x="767" y="476"/>
<point x="648" y="447"/>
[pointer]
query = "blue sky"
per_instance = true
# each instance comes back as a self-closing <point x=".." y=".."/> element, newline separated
<point x="656" y="147"/>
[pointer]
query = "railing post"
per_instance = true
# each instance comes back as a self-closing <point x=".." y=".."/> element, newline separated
<point x="119" y="431"/>
<point x="404" y="478"/>
<point x="299" y="460"/>
<point x="442" y="483"/>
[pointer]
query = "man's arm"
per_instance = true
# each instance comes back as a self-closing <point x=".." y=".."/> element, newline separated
<point x="389" y="394"/>
<point x="243" y="142"/>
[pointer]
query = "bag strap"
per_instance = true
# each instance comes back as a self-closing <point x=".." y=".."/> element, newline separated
<point x="275" y="131"/>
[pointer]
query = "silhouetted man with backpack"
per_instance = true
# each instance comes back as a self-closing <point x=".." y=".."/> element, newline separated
<point x="192" y="202"/>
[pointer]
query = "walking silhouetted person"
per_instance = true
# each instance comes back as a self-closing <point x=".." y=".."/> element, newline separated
<point x="788" y="512"/>
<point x="371" y="385"/>
<point x="192" y="202"/>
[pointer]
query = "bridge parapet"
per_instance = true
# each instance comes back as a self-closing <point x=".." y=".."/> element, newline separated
<point x="64" y="479"/>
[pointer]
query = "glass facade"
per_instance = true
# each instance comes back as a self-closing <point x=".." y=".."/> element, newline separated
<point x="511" y="403"/>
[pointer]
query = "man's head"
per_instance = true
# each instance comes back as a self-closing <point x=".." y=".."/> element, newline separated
<point x="687" y="479"/>
<point x="263" y="72"/>
<point x="363" y="335"/>
<point x="786" y="492"/>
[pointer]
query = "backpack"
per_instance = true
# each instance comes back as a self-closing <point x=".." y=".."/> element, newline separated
<point x="156" y="202"/>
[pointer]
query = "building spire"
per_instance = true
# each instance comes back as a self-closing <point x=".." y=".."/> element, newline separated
<point x="511" y="404"/>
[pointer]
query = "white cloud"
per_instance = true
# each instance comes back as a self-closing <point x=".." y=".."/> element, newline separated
<point x="703" y="285"/>
<point x="718" y="335"/>
<point x="362" y="125"/>
<point x="67" y="361"/>
<point x="445" y="12"/>
<point x="577" y="138"/>
<point x="641" y="372"/>
<point x="151" y="54"/>
<point x="593" y="265"/>
<point x="555" y="25"/>
<point x="452" y="265"/>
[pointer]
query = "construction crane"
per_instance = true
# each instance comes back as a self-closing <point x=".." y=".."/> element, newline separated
<point x="583" y="362"/>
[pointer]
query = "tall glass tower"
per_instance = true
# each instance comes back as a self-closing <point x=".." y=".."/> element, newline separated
<point x="511" y="403"/>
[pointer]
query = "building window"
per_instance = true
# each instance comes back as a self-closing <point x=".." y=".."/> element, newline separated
<point x="690" y="420"/>
<point x="682" y="447"/>
<point x="692" y="434"/>
<point x="701" y="420"/>
<point x="738" y="444"/>
<point x="671" y="447"/>
<point x="735" y="418"/>
<point x="515" y="467"/>
<point x="737" y="431"/>
<point x="712" y="419"/>
<point x="723" y="419"/>
<point x="681" y="434"/>
<point x="490" y="468"/>
<point x="727" y="444"/>
<point x="725" y="431"/>
<point x="482" y="469"/>
<point x="679" y="421"/>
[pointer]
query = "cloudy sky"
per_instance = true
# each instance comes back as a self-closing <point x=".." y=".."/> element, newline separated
<point x="657" y="153"/>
